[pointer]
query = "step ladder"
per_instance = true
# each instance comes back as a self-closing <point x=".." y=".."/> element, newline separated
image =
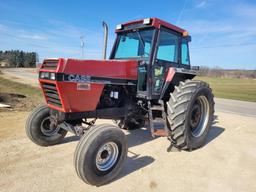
<point x="164" y="131"/>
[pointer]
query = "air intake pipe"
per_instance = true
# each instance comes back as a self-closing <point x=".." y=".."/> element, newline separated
<point x="105" y="40"/>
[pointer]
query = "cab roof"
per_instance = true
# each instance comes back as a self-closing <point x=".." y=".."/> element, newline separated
<point x="155" y="22"/>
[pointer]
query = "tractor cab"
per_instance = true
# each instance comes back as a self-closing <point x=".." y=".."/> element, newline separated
<point x="157" y="46"/>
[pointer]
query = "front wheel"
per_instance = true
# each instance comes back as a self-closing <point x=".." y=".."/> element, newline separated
<point x="39" y="128"/>
<point x="190" y="114"/>
<point x="100" y="154"/>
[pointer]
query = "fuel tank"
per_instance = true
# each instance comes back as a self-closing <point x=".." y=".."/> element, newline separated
<point x="71" y="85"/>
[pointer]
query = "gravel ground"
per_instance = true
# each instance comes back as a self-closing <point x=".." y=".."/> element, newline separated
<point x="226" y="163"/>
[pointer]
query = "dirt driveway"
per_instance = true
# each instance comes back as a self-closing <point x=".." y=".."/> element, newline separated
<point x="226" y="163"/>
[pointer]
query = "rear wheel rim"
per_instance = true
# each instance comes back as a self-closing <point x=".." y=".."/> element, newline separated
<point x="107" y="156"/>
<point x="199" y="116"/>
<point x="47" y="129"/>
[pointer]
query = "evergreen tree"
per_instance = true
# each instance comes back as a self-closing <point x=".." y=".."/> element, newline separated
<point x="17" y="58"/>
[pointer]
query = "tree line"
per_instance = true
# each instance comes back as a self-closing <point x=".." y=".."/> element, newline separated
<point x="219" y="72"/>
<point x="17" y="58"/>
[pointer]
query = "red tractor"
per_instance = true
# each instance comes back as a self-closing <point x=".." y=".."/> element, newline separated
<point x="148" y="77"/>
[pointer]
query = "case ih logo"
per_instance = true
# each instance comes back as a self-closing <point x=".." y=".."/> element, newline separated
<point x="78" y="78"/>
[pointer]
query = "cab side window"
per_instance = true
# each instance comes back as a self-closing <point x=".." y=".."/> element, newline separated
<point x="184" y="53"/>
<point x="168" y="47"/>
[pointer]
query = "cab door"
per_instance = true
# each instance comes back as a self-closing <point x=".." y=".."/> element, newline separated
<point x="167" y="55"/>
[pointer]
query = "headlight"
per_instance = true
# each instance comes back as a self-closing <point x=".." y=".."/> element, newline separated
<point x="42" y="75"/>
<point x="52" y="76"/>
<point x="47" y="75"/>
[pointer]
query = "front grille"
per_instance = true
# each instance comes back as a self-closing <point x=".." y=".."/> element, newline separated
<point x="52" y="95"/>
<point x="50" y="64"/>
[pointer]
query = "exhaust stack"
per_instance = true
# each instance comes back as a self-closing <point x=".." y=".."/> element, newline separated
<point x="105" y="40"/>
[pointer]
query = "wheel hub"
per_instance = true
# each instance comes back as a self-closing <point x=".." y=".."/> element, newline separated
<point x="199" y="116"/>
<point x="196" y="115"/>
<point x="48" y="129"/>
<point x="107" y="156"/>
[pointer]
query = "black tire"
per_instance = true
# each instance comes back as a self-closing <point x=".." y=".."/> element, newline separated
<point x="130" y="124"/>
<point x="37" y="128"/>
<point x="89" y="147"/>
<point x="190" y="112"/>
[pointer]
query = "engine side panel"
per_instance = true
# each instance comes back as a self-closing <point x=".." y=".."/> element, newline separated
<point x="75" y="100"/>
<point x="80" y="83"/>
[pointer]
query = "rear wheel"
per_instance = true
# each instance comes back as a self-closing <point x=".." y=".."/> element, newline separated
<point x="190" y="114"/>
<point x="39" y="128"/>
<point x="100" y="154"/>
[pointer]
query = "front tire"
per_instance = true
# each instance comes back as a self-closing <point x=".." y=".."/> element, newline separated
<point x="190" y="114"/>
<point x="100" y="154"/>
<point x="38" y="128"/>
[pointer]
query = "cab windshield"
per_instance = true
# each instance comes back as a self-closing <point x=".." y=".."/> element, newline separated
<point x="134" y="45"/>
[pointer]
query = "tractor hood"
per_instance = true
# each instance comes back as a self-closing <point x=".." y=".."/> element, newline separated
<point x="125" y="69"/>
<point x="71" y="85"/>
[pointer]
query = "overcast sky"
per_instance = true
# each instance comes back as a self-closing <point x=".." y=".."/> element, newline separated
<point x="223" y="32"/>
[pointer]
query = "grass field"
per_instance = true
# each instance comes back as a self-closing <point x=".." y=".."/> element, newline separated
<point x="9" y="86"/>
<point x="27" y="96"/>
<point x="230" y="88"/>
<point x="239" y="89"/>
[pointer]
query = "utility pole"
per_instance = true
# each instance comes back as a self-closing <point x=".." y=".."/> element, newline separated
<point x="82" y="46"/>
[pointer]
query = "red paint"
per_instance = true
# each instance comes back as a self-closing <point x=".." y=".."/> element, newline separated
<point x="155" y="22"/>
<point x="125" y="69"/>
<point x="158" y="23"/>
<point x="74" y="100"/>
<point x="41" y="81"/>
<point x="170" y="74"/>
<point x="60" y="65"/>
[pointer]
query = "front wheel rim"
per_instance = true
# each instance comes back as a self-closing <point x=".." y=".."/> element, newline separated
<point x="199" y="116"/>
<point x="47" y="129"/>
<point x="107" y="156"/>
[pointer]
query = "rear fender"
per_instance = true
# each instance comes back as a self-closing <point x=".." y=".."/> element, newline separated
<point x="173" y="78"/>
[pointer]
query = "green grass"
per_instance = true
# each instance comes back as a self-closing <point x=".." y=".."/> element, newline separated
<point x="32" y="94"/>
<point x="231" y="88"/>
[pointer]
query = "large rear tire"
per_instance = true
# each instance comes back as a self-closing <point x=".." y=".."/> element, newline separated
<point x="38" y="128"/>
<point x="190" y="114"/>
<point x="100" y="154"/>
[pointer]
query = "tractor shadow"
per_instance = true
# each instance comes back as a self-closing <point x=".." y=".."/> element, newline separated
<point x="139" y="136"/>
<point x="134" y="137"/>
<point x="215" y="131"/>
<point x="143" y="135"/>
<point x="134" y="163"/>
